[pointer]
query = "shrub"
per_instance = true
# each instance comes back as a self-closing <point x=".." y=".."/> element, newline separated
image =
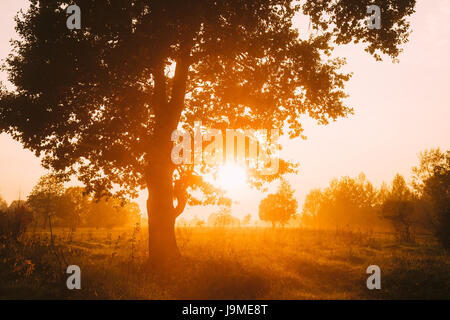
<point x="14" y="221"/>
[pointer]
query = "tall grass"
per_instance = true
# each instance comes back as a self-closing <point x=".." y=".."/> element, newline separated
<point x="227" y="263"/>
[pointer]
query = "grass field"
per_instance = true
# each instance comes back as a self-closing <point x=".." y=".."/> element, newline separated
<point x="226" y="263"/>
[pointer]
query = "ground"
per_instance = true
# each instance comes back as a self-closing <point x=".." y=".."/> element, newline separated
<point x="225" y="263"/>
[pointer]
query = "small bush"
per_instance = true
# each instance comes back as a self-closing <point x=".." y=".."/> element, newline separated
<point x="14" y="222"/>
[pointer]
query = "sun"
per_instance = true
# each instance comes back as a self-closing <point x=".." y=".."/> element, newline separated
<point x="231" y="177"/>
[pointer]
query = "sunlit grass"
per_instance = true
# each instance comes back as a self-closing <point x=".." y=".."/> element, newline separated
<point x="233" y="263"/>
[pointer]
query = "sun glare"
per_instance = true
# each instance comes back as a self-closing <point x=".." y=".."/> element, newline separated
<point x="231" y="177"/>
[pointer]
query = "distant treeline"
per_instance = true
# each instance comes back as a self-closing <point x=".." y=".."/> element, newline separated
<point x="221" y="218"/>
<point x="50" y="204"/>
<point x="422" y="205"/>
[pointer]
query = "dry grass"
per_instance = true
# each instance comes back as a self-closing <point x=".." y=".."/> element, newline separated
<point x="227" y="263"/>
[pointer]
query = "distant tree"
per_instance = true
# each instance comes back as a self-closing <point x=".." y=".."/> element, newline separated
<point x="436" y="190"/>
<point x="99" y="214"/>
<point x="246" y="220"/>
<point x="296" y="221"/>
<point x="311" y="207"/>
<point x="399" y="208"/>
<point x="132" y="212"/>
<point x="17" y="204"/>
<point x="399" y="213"/>
<point x="223" y="218"/>
<point x="279" y="207"/>
<point x="3" y="204"/>
<point x="14" y="220"/>
<point x="112" y="212"/>
<point x="200" y="223"/>
<point x="109" y="104"/>
<point x="399" y="189"/>
<point x="429" y="160"/>
<point x="194" y="222"/>
<point x="181" y="222"/>
<point x="44" y="199"/>
<point x="382" y="194"/>
<point x="74" y="205"/>
<point x="345" y="202"/>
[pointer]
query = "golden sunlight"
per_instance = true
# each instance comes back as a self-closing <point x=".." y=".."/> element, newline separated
<point x="231" y="176"/>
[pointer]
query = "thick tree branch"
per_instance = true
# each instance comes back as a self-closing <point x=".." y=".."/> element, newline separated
<point x="159" y="96"/>
<point x="179" y="192"/>
<point x="180" y="206"/>
<point x="179" y="83"/>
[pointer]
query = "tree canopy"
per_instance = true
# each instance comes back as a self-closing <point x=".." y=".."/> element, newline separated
<point x="346" y="201"/>
<point x="436" y="191"/>
<point x="90" y="100"/>
<point x="280" y="206"/>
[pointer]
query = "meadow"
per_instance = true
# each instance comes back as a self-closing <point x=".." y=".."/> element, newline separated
<point x="225" y="263"/>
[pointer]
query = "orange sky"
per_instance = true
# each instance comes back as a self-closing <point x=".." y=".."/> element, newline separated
<point x="400" y="109"/>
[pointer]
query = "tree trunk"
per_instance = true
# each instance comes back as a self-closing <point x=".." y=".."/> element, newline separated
<point x="163" y="250"/>
<point x="162" y="244"/>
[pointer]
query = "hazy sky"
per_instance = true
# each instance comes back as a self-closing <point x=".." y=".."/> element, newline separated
<point x="400" y="109"/>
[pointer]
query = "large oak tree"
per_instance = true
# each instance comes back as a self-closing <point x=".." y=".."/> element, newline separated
<point x="101" y="103"/>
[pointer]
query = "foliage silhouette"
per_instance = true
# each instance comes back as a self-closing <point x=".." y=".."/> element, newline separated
<point x="279" y="207"/>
